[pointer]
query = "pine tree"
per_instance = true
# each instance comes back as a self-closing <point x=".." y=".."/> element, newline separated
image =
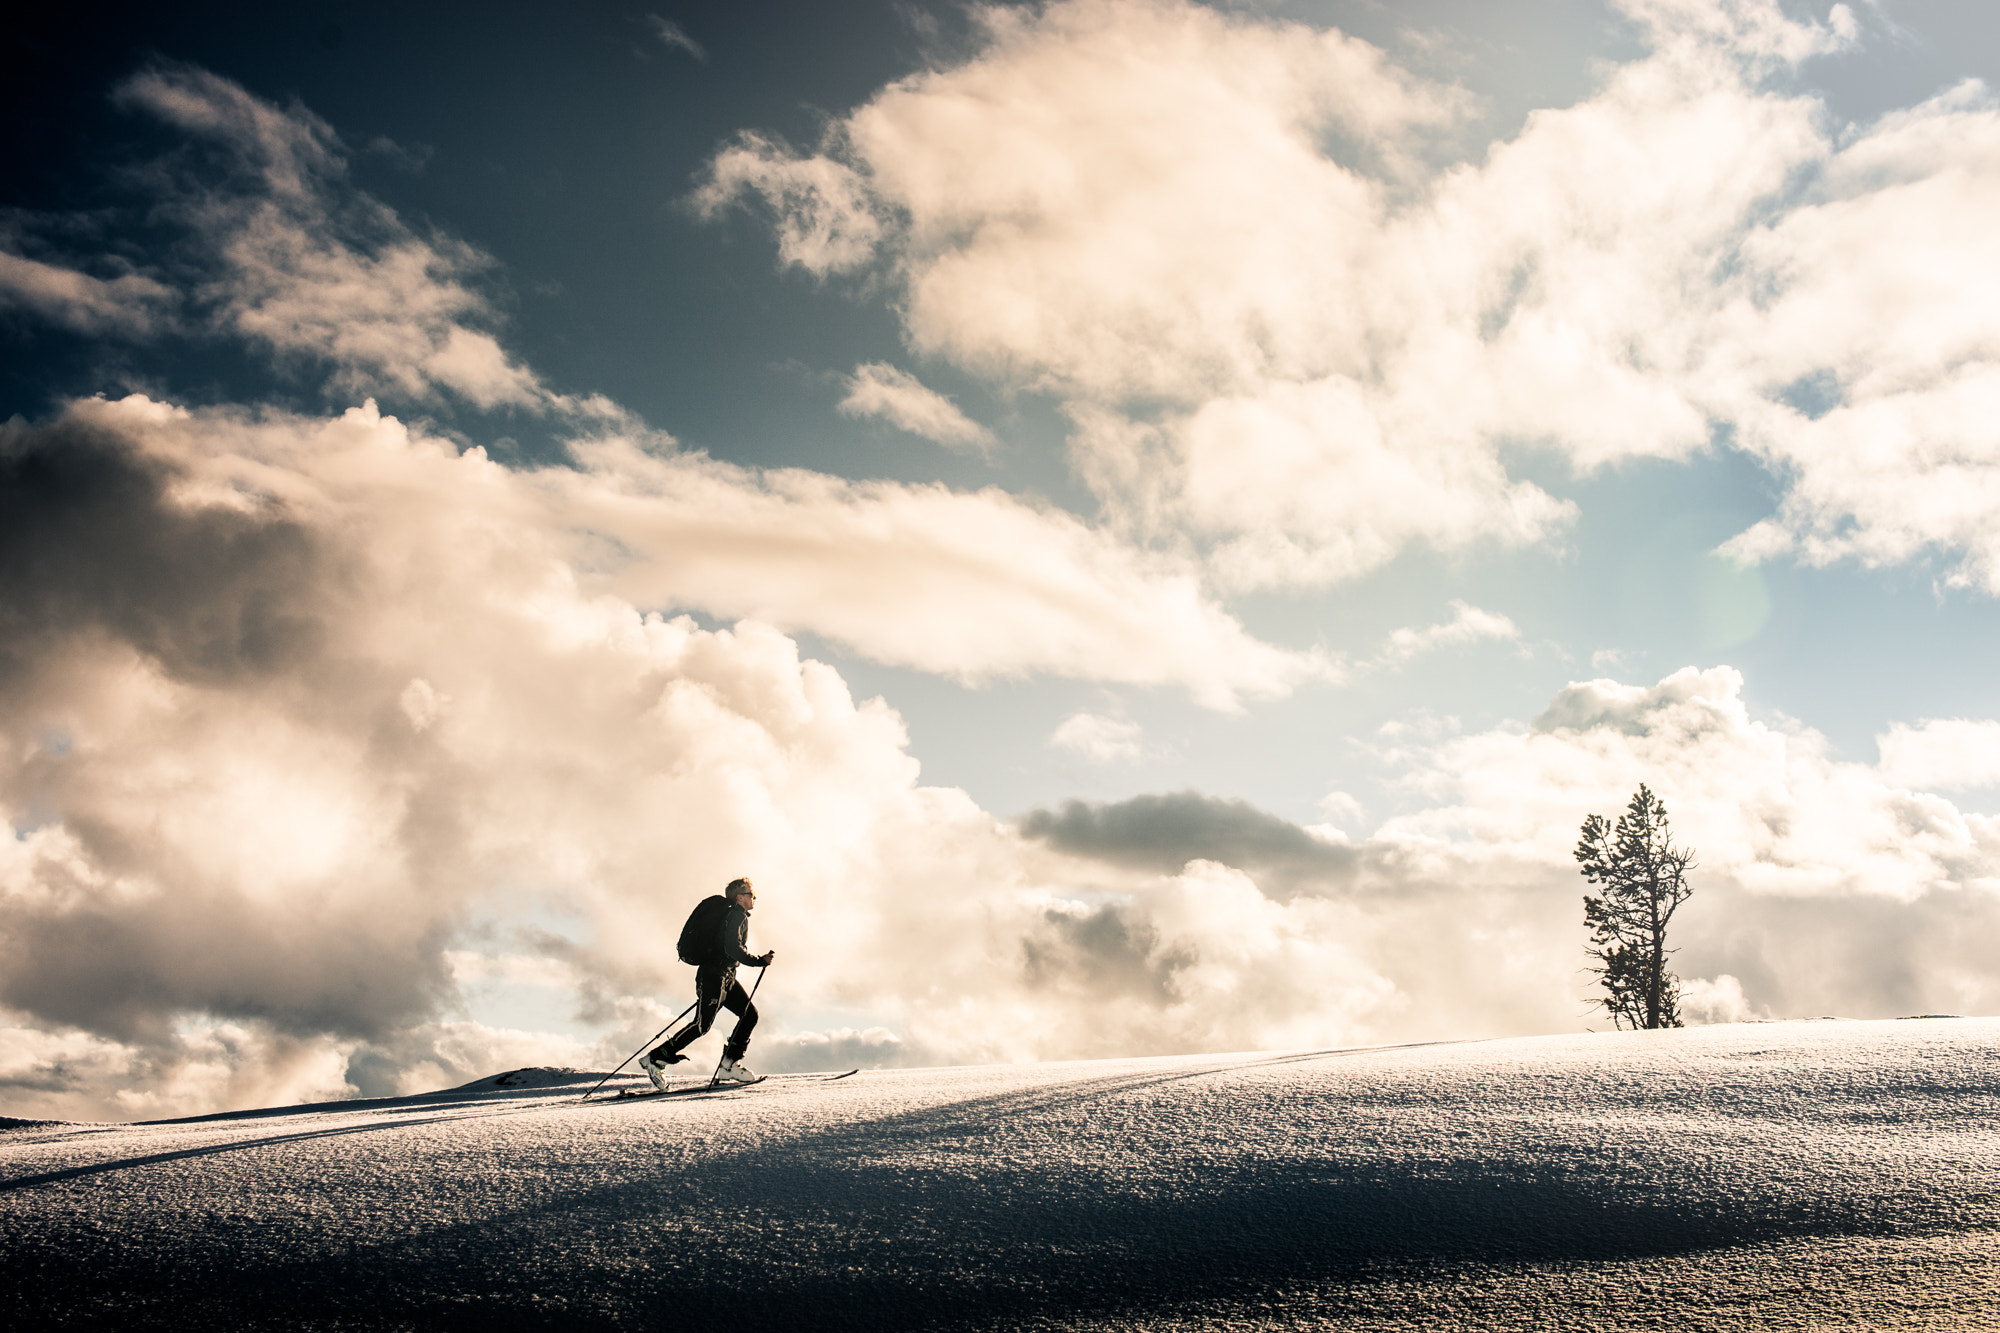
<point x="1643" y="877"/>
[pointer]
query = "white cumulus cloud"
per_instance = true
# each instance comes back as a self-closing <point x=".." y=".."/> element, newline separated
<point x="1824" y="886"/>
<point x="1297" y="337"/>
<point x="1941" y="754"/>
<point x="310" y="697"/>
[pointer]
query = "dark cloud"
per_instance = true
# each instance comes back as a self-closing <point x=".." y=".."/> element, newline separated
<point x="1109" y="952"/>
<point x="129" y="971"/>
<point x="134" y="920"/>
<point x="1164" y="832"/>
<point x="54" y="1077"/>
<point x="91" y="542"/>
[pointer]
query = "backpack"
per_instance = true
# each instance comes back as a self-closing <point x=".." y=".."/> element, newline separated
<point x="697" y="944"/>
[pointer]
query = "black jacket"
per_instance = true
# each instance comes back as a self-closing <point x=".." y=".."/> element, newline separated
<point x="729" y="939"/>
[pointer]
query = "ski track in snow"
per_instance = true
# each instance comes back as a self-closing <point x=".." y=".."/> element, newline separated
<point x="1810" y="1175"/>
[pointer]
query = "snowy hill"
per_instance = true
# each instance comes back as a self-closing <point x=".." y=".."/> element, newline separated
<point x="1814" y="1174"/>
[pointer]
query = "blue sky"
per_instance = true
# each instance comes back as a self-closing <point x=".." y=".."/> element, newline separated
<point x="1264" y="472"/>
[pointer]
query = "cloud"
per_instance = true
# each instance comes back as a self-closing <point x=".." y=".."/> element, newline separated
<point x="1468" y="624"/>
<point x="973" y="586"/>
<point x="896" y="396"/>
<point x="1032" y="182"/>
<point x="1165" y="833"/>
<point x="1823" y="885"/>
<point x="1878" y="353"/>
<point x="313" y="698"/>
<point x="129" y="305"/>
<point x="281" y="251"/>
<point x="825" y="219"/>
<point x="1758" y="29"/>
<point x="92" y="544"/>
<point x="232" y="799"/>
<point x="1300" y="484"/>
<point x="291" y="703"/>
<point x="674" y="37"/>
<point x="316" y="694"/>
<point x="220" y="1065"/>
<point x="1342" y="806"/>
<point x="1772" y="808"/>
<point x="511" y="969"/>
<point x="1941" y="754"/>
<point x="1717" y="1001"/>
<point x="289" y="153"/>
<point x="429" y="1056"/>
<point x="1203" y="951"/>
<point x="1102" y="740"/>
<point x="1298" y="333"/>
<point x="408" y="158"/>
<point x="840" y="1048"/>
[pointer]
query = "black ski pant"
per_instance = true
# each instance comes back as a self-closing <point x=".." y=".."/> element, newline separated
<point x="715" y="989"/>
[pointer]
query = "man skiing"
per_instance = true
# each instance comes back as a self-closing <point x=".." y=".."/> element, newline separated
<point x="713" y="941"/>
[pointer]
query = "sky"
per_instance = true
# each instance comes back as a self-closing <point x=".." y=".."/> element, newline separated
<point x="1144" y="527"/>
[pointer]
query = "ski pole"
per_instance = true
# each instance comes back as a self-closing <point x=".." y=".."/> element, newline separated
<point x="762" y="972"/>
<point x="649" y="1041"/>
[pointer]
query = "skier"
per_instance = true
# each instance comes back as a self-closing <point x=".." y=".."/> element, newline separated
<point x="716" y="950"/>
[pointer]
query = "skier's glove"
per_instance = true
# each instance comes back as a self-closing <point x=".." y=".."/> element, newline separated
<point x="765" y="961"/>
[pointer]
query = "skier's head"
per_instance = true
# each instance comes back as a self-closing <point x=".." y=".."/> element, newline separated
<point x="740" y="893"/>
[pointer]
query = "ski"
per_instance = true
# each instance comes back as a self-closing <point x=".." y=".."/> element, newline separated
<point x="688" y="1090"/>
<point x="645" y="1094"/>
<point x="648" y="1094"/>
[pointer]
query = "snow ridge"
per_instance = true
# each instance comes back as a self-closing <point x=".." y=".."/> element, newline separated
<point x="1831" y="1174"/>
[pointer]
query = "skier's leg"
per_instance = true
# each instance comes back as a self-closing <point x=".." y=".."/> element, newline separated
<point x="708" y="1000"/>
<point x="738" y="1003"/>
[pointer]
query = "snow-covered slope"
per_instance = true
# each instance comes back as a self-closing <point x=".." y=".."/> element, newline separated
<point x="1824" y="1174"/>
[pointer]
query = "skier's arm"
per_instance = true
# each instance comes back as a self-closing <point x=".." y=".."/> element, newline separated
<point x="735" y="926"/>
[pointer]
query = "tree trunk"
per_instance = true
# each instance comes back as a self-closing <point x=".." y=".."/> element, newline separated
<point x="1658" y="960"/>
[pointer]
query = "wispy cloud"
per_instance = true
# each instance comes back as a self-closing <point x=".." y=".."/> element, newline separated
<point x="674" y="37"/>
<point x="1100" y="739"/>
<point x="972" y="586"/>
<point x="128" y="305"/>
<point x="293" y="259"/>
<point x="1468" y="624"/>
<point x="878" y="389"/>
<point x="825" y="213"/>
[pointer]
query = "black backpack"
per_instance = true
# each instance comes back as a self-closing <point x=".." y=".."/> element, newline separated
<point x="697" y="944"/>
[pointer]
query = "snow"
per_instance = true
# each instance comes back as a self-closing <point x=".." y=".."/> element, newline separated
<point x="1810" y="1174"/>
